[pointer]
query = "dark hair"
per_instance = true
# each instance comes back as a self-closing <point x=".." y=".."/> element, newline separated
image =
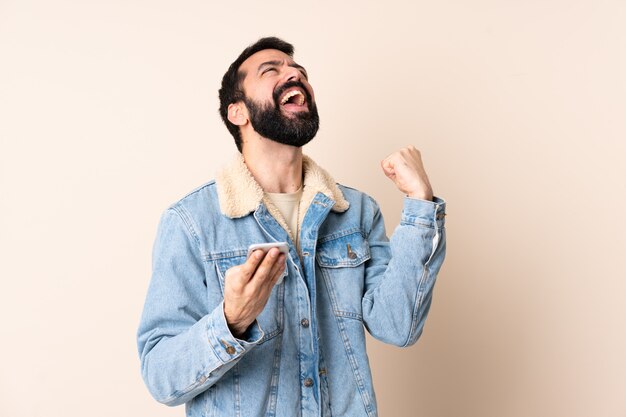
<point x="232" y="90"/>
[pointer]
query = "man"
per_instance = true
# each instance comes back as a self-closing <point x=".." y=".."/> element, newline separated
<point x="274" y="334"/>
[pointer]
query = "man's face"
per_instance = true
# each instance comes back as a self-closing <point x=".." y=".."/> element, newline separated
<point x="279" y="98"/>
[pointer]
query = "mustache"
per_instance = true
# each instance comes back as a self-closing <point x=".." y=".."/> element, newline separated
<point x="289" y="84"/>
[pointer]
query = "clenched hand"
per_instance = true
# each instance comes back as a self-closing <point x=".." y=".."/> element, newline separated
<point x="406" y="170"/>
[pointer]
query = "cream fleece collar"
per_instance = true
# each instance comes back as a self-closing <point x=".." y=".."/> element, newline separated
<point x="239" y="193"/>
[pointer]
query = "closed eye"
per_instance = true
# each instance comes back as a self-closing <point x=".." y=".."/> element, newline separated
<point x="301" y="69"/>
<point x="268" y="70"/>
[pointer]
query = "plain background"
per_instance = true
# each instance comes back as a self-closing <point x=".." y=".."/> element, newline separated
<point x="108" y="113"/>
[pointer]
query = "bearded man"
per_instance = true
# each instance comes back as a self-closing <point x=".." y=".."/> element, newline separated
<point x="230" y="333"/>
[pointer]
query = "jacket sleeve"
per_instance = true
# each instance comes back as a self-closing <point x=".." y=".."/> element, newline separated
<point x="184" y="344"/>
<point x="401" y="273"/>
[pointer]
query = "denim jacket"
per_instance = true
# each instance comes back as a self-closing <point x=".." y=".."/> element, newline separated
<point x="305" y="354"/>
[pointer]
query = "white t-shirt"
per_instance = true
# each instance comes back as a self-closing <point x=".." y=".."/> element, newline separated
<point x="288" y="205"/>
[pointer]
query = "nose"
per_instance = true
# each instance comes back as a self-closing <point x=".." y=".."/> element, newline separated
<point x="293" y="74"/>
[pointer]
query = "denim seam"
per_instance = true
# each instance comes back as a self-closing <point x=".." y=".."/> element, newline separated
<point x="271" y="335"/>
<point x="411" y="222"/>
<point x="274" y="382"/>
<point x="281" y="318"/>
<point x="355" y="367"/>
<point x="234" y="253"/>
<point x="416" y="305"/>
<point x="209" y="408"/>
<point x="366" y="298"/>
<point x="347" y="347"/>
<point x="220" y="277"/>
<point x="376" y="210"/>
<point x="182" y="213"/>
<point x="344" y="264"/>
<point x="341" y="234"/>
<point x="197" y="190"/>
<point x="348" y="314"/>
<point x="237" y="389"/>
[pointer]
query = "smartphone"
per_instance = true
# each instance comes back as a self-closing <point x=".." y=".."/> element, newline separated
<point x="283" y="247"/>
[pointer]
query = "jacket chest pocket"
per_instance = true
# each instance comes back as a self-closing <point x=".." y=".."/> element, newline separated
<point x="341" y="262"/>
<point x="272" y="317"/>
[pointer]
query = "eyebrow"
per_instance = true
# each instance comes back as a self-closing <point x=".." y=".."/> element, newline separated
<point x="277" y="63"/>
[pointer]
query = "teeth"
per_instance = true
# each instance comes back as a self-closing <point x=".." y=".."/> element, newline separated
<point x="291" y="94"/>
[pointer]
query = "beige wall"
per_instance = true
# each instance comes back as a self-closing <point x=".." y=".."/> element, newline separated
<point x="108" y="114"/>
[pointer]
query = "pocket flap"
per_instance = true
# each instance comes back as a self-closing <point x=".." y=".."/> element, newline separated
<point x="225" y="263"/>
<point x="343" y="251"/>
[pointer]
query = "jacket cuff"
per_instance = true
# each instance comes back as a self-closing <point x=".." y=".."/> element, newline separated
<point x="424" y="212"/>
<point x="226" y="346"/>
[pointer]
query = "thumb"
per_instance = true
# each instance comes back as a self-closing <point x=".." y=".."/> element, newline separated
<point x="388" y="169"/>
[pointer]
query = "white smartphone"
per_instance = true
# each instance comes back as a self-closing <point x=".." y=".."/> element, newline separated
<point x="283" y="247"/>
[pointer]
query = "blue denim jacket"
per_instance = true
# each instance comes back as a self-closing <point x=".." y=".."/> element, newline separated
<point x="305" y="354"/>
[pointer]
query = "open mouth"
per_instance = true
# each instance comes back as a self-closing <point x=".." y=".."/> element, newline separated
<point x="293" y="99"/>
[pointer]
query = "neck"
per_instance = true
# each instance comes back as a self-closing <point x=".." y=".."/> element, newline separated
<point x="277" y="168"/>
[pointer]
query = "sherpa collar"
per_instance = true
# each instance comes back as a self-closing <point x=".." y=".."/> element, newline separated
<point x="239" y="193"/>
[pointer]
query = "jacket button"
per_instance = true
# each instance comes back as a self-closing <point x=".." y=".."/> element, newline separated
<point x="308" y="382"/>
<point x="229" y="348"/>
<point x="304" y="323"/>
<point x="351" y="255"/>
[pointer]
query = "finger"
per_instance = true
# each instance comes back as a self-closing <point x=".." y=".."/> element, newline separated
<point x="263" y="271"/>
<point x="277" y="269"/>
<point x="262" y="288"/>
<point x="387" y="167"/>
<point x="413" y="150"/>
<point x="252" y="263"/>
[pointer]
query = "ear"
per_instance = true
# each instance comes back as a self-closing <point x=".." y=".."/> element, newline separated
<point x="237" y="113"/>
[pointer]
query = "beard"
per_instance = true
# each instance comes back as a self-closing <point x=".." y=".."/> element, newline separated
<point x="268" y="120"/>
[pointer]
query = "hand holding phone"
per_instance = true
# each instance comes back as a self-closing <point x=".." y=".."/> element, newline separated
<point x="248" y="286"/>
<point x="283" y="247"/>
